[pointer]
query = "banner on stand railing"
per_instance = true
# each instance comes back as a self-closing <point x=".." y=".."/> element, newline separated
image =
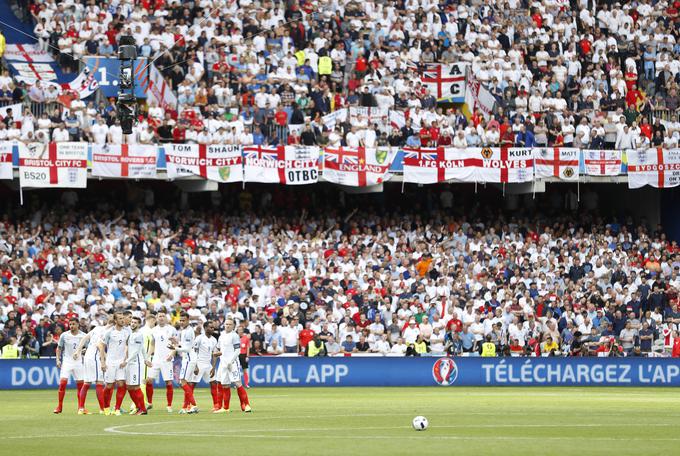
<point x="219" y="163"/>
<point x="53" y="165"/>
<point x="65" y="164"/>
<point x="289" y="165"/>
<point x="134" y="161"/>
<point x="656" y="167"/>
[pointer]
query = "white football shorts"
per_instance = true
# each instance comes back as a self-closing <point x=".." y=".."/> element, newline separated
<point x="93" y="370"/>
<point x="73" y="369"/>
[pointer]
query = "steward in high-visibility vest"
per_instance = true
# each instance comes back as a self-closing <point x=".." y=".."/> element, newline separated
<point x="488" y="348"/>
<point x="316" y="347"/>
<point x="300" y="56"/>
<point x="10" y="351"/>
<point x="325" y="65"/>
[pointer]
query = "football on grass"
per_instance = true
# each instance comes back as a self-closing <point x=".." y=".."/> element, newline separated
<point x="420" y="423"/>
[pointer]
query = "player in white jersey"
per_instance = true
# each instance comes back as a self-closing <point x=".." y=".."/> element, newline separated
<point x="204" y="347"/>
<point x="92" y="366"/>
<point x="113" y="351"/>
<point x="137" y="359"/>
<point x="229" y="346"/>
<point x="69" y="365"/>
<point x="149" y="324"/>
<point x="163" y="355"/>
<point x="185" y="348"/>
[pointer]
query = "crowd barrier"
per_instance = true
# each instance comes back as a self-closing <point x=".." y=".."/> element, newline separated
<point x="425" y="371"/>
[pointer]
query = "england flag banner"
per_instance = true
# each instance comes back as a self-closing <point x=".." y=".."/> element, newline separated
<point x="433" y="165"/>
<point x="30" y="53"/>
<point x="6" y="150"/>
<point x="53" y="165"/>
<point x="219" y="163"/>
<point x="445" y="80"/>
<point x="133" y="161"/>
<point x="602" y="162"/>
<point x="359" y="167"/>
<point x="478" y="97"/>
<point x="559" y="162"/>
<point x="656" y="167"/>
<point x="289" y="165"/>
<point x="504" y="164"/>
<point x="156" y="88"/>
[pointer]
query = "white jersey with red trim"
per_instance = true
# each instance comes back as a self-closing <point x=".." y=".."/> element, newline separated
<point x="116" y="343"/>
<point x="230" y="347"/>
<point x="161" y="338"/>
<point x="186" y="343"/>
<point x="68" y="344"/>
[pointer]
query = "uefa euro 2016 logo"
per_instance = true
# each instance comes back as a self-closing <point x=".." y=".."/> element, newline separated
<point x="445" y="371"/>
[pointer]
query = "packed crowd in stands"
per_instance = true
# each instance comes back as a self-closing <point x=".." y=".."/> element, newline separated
<point x="574" y="73"/>
<point x="350" y="282"/>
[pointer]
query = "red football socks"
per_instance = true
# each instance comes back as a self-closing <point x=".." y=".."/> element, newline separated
<point x="246" y="380"/>
<point x="168" y="394"/>
<point x="187" y="395"/>
<point x="120" y="395"/>
<point x="193" y="398"/>
<point x="242" y="396"/>
<point x="216" y="393"/>
<point x="99" y="389"/>
<point x="134" y="398"/>
<point x="138" y="398"/>
<point x="108" y="394"/>
<point x="226" y="396"/>
<point x="62" y="393"/>
<point x="149" y="393"/>
<point x="82" y="395"/>
<point x="79" y="387"/>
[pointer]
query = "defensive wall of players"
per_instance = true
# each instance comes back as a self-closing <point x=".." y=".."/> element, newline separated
<point x="424" y="371"/>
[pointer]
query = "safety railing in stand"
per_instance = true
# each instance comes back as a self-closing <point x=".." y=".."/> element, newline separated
<point x="39" y="108"/>
<point x="662" y="114"/>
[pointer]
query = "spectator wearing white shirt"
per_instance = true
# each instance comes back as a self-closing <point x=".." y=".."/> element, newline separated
<point x="99" y="131"/>
<point x="115" y="134"/>
<point x="625" y="139"/>
<point x="59" y="134"/>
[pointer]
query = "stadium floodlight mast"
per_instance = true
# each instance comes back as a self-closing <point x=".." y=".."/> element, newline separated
<point x="126" y="105"/>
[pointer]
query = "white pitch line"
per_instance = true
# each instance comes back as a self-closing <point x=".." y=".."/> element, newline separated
<point x="235" y="432"/>
<point x="55" y="436"/>
<point x="420" y="437"/>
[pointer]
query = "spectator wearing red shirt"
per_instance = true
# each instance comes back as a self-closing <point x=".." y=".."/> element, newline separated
<point x="507" y="138"/>
<point x="631" y="79"/>
<point x="361" y="66"/>
<point x="646" y="129"/>
<point x="281" y="117"/>
<point x="306" y="336"/>
<point x="111" y="34"/>
<point x="293" y="138"/>
<point x="179" y="133"/>
<point x="434" y="134"/>
<point x="633" y="97"/>
<point x="425" y="136"/>
<point x="676" y="345"/>
<point x="444" y="139"/>
<point x="454" y="324"/>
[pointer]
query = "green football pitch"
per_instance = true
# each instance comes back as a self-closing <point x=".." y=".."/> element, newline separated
<point x="360" y="421"/>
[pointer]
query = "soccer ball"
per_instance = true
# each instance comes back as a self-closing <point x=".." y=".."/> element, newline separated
<point x="419" y="423"/>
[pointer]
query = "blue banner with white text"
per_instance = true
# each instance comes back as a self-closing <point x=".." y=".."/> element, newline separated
<point x="425" y="371"/>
